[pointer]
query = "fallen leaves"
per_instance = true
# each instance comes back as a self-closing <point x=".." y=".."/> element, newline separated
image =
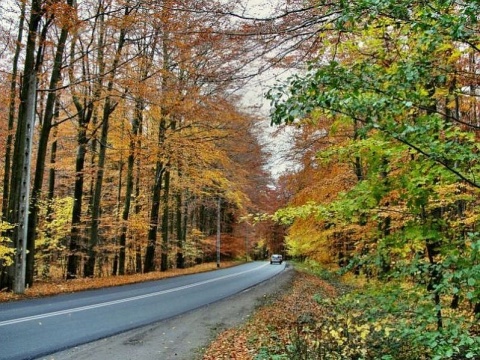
<point x="272" y="325"/>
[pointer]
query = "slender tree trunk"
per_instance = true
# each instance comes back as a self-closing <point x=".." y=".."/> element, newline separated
<point x="75" y="233"/>
<point x="180" y="232"/>
<point x="42" y="152"/>
<point x="149" y="261"/>
<point x="138" y="208"/>
<point x="434" y="282"/>
<point x="108" y="109"/>
<point x="118" y="253"/>
<point x="53" y="159"/>
<point x="84" y="114"/>
<point x="11" y="113"/>
<point x="20" y="179"/>
<point x="89" y="267"/>
<point x="358" y="169"/>
<point x="51" y="190"/>
<point x="137" y="120"/>
<point x="6" y="279"/>
<point x="165" y="217"/>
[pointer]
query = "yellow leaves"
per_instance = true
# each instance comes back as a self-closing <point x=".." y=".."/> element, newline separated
<point x="441" y="92"/>
<point x="272" y="325"/>
<point x="6" y="249"/>
<point x="56" y="225"/>
<point x="343" y="336"/>
<point x="306" y="237"/>
<point x="449" y="52"/>
<point x="336" y="334"/>
<point x="471" y="218"/>
<point x="450" y="194"/>
<point x="388" y="330"/>
<point x="363" y="330"/>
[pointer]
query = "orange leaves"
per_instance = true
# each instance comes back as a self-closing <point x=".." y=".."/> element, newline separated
<point x="64" y="15"/>
<point x="272" y="325"/>
<point x="230" y="345"/>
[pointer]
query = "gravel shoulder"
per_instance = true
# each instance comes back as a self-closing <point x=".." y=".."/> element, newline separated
<point x="183" y="337"/>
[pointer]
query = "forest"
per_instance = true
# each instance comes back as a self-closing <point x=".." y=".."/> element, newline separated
<point x="126" y="146"/>
<point x="386" y="121"/>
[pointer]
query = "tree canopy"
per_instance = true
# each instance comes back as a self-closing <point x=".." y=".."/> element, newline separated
<point x="387" y="123"/>
<point x="136" y="133"/>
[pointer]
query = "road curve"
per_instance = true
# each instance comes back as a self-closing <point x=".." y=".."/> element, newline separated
<point x="34" y="328"/>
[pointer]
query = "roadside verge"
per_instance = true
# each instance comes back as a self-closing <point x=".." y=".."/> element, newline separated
<point x="186" y="336"/>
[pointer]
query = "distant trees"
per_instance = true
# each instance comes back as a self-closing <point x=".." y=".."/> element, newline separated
<point x="135" y="136"/>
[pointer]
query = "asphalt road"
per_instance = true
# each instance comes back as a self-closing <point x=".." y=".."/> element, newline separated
<point x="34" y="328"/>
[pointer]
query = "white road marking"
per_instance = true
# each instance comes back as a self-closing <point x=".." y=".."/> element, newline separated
<point x="120" y="301"/>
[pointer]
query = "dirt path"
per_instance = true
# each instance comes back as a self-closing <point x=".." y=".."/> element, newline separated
<point x="183" y="337"/>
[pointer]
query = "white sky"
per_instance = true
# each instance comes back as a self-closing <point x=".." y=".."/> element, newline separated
<point x="253" y="93"/>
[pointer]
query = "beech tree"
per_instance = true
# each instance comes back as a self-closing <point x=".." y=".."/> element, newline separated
<point x="20" y="177"/>
<point x="138" y="125"/>
<point x="5" y="261"/>
<point x="65" y="16"/>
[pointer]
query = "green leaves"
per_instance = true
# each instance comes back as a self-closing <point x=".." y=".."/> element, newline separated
<point x="398" y="82"/>
<point x="398" y="90"/>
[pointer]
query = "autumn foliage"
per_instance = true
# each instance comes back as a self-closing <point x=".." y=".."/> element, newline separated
<point x="138" y="136"/>
<point x="386" y="124"/>
<point x="269" y="331"/>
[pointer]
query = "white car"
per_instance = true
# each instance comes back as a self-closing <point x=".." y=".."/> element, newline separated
<point x="276" y="259"/>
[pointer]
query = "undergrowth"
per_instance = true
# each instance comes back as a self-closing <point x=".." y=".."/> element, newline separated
<point x="328" y="317"/>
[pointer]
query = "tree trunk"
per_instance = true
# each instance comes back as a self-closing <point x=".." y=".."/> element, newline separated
<point x="108" y="109"/>
<point x="11" y="114"/>
<point x="138" y="208"/>
<point x="42" y="152"/>
<point x="358" y="168"/>
<point x="53" y="160"/>
<point x="165" y="217"/>
<point x="84" y="115"/>
<point x="6" y="280"/>
<point x="159" y="168"/>
<point x="20" y="180"/>
<point x="75" y="232"/>
<point x="181" y="230"/>
<point x="149" y="261"/>
<point x="51" y="188"/>
<point x="121" y="249"/>
<point x="137" y="120"/>
<point x="89" y="267"/>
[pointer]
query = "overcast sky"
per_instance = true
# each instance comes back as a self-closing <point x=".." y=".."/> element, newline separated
<point x="257" y="87"/>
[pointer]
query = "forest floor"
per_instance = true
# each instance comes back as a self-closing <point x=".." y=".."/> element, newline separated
<point x="273" y="328"/>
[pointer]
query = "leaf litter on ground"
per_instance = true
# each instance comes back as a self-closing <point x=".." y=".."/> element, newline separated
<point x="272" y="325"/>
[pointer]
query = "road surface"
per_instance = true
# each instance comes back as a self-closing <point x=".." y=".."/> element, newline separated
<point x="34" y="328"/>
